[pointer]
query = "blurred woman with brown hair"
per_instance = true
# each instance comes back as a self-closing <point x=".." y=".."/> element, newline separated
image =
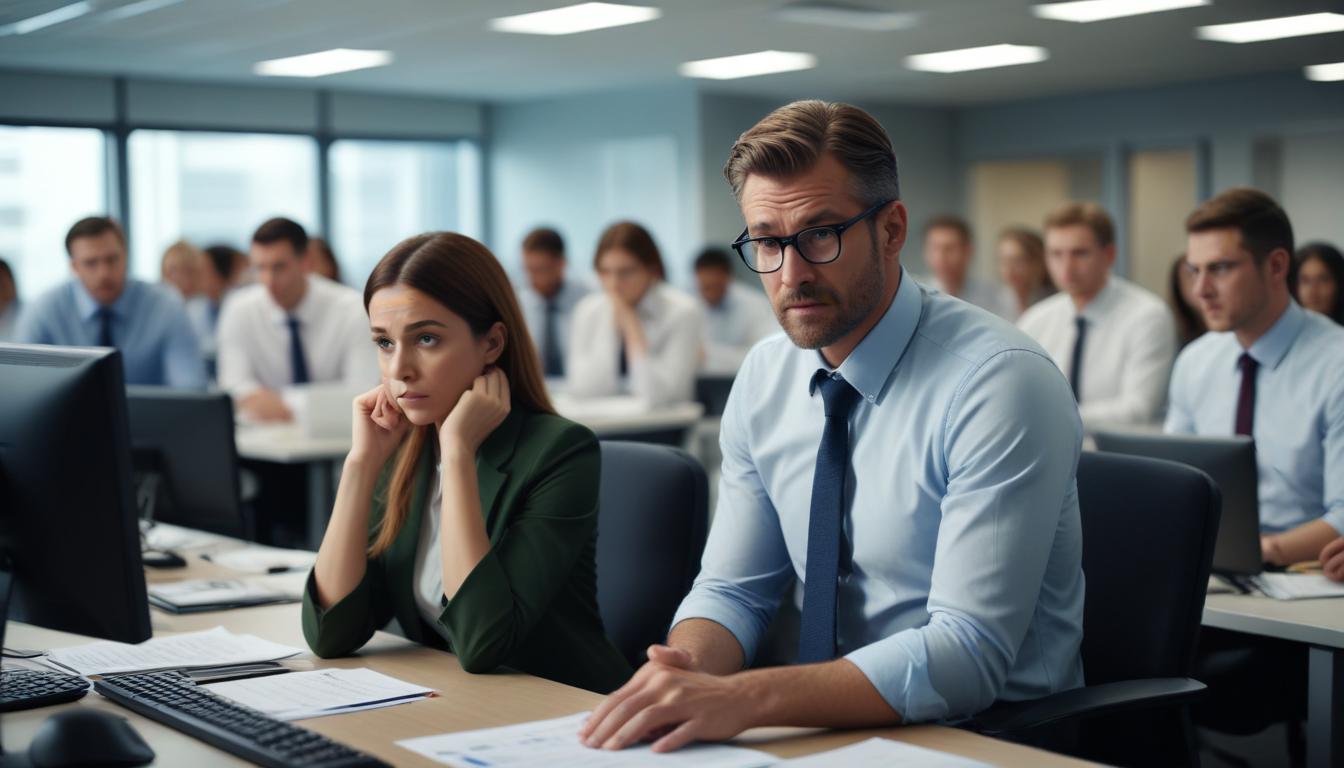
<point x="638" y="335"/>
<point x="1021" y="257"/>
<point x="467" y="509"/>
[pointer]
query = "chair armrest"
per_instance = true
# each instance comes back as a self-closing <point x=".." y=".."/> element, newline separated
<point x="1088" y="701"/>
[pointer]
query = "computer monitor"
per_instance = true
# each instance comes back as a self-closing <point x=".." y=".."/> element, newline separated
<point x="1230" y="461"/>
<point x="68" y="522"/>
<point x="185" y="441"/>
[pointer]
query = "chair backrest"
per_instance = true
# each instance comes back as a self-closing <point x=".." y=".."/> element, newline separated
<point x="711" y="391"/>
<point x="1148" y="535"/>
<point x="651" y="531"/>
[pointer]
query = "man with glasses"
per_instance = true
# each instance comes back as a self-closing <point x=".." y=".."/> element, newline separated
<point x="907" y="456"/>
<point x="1271" y="370"/>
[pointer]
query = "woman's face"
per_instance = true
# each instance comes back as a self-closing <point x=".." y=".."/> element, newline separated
<point x="623" y="276"/>
<point x="1016" y="268"/>
<point x="177" y="271"/>
<point x="427" y="354"/>
<point x="1316" y="287"/>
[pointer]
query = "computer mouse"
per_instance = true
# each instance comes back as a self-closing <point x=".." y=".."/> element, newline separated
<point x="84" y="736"/>
<point x="161" y="558"/>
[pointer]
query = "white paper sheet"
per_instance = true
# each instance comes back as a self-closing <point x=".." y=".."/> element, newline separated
<point x="196" y="649"/>
<point x="260" y="560"/>
<point x="880" y="753"/>
<point x="555" y="744"/>
<point x="300" y="695"/>
<point x="1297" y="586"/>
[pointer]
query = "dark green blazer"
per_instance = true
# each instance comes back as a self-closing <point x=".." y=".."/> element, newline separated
<point x="531" y="603"/>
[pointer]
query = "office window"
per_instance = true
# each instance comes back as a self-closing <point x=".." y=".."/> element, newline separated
<point x="385" y="191"/>
<point x="49" y="179"/>
<point x="215" y="188"/>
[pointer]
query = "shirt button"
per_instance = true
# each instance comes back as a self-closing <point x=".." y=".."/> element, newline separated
<point x="872" y="398"/>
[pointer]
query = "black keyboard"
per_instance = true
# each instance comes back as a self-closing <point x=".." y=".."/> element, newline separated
<point x="29" y="688"/>
<point x="175" y="700"/>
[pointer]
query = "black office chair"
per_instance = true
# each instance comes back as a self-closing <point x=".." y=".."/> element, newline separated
<point x="651" y="531"/>
<point x="1148" y="535"/>
<point x="711" y="391"/>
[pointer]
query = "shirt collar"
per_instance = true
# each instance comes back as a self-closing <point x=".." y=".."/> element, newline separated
<point x="1100" y="303"/>
<point x="869" y="366"/>
<point x="1270" y="349"/>
<point x="300" y="311"/>
<point x="88" y="307"/>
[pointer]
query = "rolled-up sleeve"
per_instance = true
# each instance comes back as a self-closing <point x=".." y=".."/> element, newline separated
<point x="746" y="566"/>
<point x="1011" y="443"/>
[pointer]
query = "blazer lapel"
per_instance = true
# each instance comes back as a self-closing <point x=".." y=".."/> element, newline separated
<point x="400" y="558"/>
<point x="493" y="457"/>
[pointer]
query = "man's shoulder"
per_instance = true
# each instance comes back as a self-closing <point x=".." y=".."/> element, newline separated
<point x="1136" y="298"/>
<point x="1044" y="311"/>
<point x="1203" y="351"/>
<point x="58" y="298"/>
<point x="969" y="332"/>
<point x="1324" y="341"/>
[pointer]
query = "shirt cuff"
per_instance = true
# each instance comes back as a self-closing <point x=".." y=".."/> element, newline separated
<point x="898" y="667"/>
<point x="733" y="617"/>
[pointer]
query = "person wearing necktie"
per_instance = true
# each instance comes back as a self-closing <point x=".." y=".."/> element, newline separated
<point x="548" y="297"/>
<point x="290" y="329"/>
<point x="1271" y="370"/>
<point x="907" y="456"/>
<point x="1115" y="340"/>
<point x="102" y="306"/>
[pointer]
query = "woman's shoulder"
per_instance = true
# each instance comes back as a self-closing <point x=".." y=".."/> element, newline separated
<point x="549" y="430"/>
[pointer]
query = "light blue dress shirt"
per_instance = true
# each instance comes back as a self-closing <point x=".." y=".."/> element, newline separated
<point x="965" y="581"/>
<point x="1299" y="412"/>
<point x="149" y="326"/>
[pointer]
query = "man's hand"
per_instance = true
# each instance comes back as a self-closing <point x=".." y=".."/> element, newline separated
<point x="1332" y="560"/>
<point x="266" y="405"/>
<point x="671" y="705"/>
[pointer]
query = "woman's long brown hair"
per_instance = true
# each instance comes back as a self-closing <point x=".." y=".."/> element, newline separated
<point x="463" y="276"/>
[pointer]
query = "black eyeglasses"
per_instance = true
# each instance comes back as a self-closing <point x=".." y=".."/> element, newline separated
<point x="817" y="245"/>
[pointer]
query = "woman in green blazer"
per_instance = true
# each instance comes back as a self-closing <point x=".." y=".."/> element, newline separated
<point x="467" y="508"/>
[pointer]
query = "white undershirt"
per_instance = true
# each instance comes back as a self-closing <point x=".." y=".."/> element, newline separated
<point x="428" y="577"/>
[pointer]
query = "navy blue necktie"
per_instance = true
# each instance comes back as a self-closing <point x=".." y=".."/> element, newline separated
<point x="1076" y="366"/>
<point x="298" y="363"/>
<point x="105" y="327"/>
<point x="816" y="637"/>
<point x="552" y="364"/>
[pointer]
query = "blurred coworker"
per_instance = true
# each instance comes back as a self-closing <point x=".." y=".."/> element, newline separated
<point x="1271" y="370"/>
<point x="1316" y="280"/>
<point x="638" y="335"/>
<point x="1184" y="306"/>
<point x="548" y="299"/>
<point x="101" y="307"/>
<point x="1113" y="340"/>
<point x="322" y="260"/>
<point x="290" y="329"/>
<point x="736" y="317"/>
<point x="217" y="278"/>
<point x="181" y="268"/>
<point x="948" y="250"/>
<point x="9" y="301"/>
<point x="1267" y="368"/>
<point x="1021" y="256"/>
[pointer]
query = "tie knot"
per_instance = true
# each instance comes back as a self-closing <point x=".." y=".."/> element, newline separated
<point x="1247" y="363"/>
<point x="103" y="313"/>
<point x="837" y="395"/>
<point x="292" y="321"/>
<point x="1080" y="322"/>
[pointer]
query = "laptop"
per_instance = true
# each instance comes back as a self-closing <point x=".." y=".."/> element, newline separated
<point x="1230" y="461"/>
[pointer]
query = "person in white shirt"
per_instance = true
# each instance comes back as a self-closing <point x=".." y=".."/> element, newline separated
<point x="736" y="317"/>
<point x="948" y="250"/>
<point x="291" y="328"/>
<point x="9" y="301"/>
<point x="548" y="299"/>
<point x="638" y="335"/>
<point x="1026" y="281"/>
<point x="1113" y="340"/>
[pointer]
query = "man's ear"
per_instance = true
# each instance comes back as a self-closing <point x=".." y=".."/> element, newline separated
<point x="892" y="228"/>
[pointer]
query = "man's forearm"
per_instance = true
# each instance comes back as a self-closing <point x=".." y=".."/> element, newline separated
<point x="835" y="694"/>
<point x="712" y="647"/>
<point x="1301" y="543"/>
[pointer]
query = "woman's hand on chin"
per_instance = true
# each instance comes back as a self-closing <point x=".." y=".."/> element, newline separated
<point x="479" y="411"/>
<point x="379" y="426"/>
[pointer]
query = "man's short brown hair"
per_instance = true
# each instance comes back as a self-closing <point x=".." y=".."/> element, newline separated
<point x="1089" y="215"/>
<point x="1263" y="225"/>
<point x="793" y="138"/>
<point x="545" y="240"/>
<point x="949" y="221"/>
<point x="93" y="226"/>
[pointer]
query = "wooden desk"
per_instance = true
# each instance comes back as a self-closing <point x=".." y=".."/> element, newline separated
<point x="465" y="702"/>
<point x="1320" y="625"/>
